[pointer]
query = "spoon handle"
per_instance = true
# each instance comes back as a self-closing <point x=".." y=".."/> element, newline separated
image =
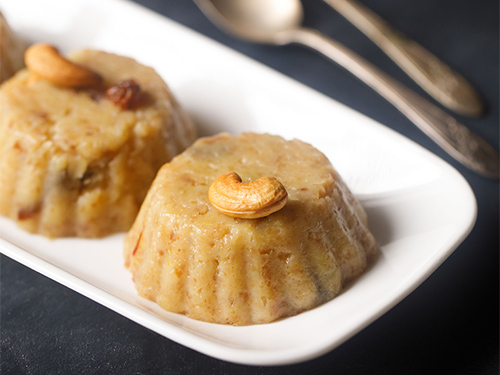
<point x="464" y="145"/>
<point x="438" y="79"/>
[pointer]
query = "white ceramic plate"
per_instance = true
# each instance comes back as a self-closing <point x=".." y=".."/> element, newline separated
<point x="420" y="208"/>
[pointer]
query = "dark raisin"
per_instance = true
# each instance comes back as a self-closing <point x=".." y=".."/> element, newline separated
<point x="125" y="94"/>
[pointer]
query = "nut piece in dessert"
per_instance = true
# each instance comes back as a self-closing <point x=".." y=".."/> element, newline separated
<point x="252" y="200"/>
<point x="46" y="62"/>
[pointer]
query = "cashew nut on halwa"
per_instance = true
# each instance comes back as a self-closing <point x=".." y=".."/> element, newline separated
<point x="45" y="61"/>
<point x="252" y="200"/>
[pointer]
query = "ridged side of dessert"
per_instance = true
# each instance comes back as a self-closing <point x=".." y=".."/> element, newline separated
<point x="74" y="163"/>
<point x="194" y="260"/>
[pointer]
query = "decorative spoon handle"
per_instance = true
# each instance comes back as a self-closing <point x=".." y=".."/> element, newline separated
<point x="438" y="79"/>
<point x="464" y="145"/>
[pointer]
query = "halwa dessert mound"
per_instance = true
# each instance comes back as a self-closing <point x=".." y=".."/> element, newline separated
<point x="280" y="235"/>
<point x="81" y="140"/>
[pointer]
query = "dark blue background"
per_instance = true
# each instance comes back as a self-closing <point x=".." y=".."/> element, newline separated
<point x="449" y="325"/>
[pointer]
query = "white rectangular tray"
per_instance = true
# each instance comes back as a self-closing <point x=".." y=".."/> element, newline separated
<point x="420" y="208"/>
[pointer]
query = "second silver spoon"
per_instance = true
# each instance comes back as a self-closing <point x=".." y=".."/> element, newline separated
<point x="434" y="76"/>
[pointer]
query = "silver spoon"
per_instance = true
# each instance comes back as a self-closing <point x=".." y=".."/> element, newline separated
<point x="278" y="22"/>
<point x="438" y="79"/>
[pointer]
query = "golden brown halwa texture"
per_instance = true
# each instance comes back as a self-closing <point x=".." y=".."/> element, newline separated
<point x="74" y="163"/>
<point x="194" y="260"/>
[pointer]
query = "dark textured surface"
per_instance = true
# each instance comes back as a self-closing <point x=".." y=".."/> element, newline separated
<point x="449" y="325"/>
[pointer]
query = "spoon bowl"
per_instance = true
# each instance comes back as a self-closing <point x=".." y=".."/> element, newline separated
<point x="261" y="21"/>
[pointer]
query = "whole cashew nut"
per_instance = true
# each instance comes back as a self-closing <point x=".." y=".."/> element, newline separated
<point x="255" y="199"/>
<point x="46" y="62"/>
